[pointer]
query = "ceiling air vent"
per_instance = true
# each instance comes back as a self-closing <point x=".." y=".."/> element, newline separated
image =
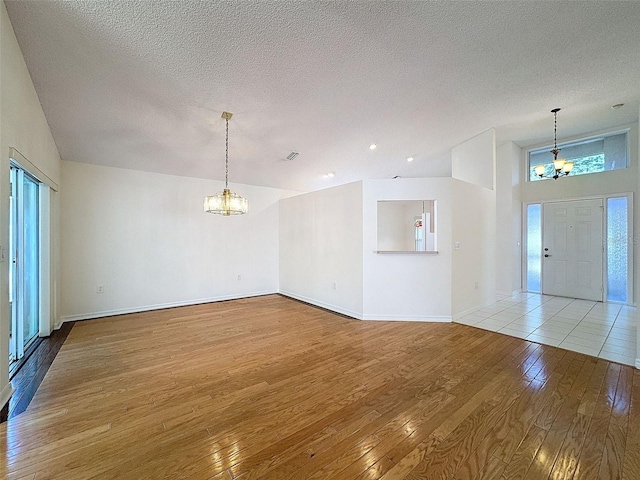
<point x="292" y="155"/>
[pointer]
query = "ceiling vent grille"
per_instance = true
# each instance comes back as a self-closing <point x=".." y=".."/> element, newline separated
<point x="292" y="155"/>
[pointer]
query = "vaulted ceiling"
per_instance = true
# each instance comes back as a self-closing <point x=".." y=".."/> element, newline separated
<point x="141" y="84"/>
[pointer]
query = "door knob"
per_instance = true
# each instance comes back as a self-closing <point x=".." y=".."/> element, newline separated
<point x="547" y="255"/>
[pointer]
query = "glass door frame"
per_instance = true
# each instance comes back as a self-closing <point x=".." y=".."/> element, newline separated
<point x="18" y="258"/>
<point x="631" y="241"/>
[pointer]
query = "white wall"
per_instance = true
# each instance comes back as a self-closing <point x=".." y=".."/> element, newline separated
<point x="474" y="160"/>
<point x="24" y="127"/>
<point x="321" y="248"/>
<point x="407" y="286"/>
<point x="473" y="264"/>
<point x="474" y="232"/>
<point x="145" y="238"/>
<point x="508" y="220"/>
<point x="332" y="236"/>
<point x="319" y="245"/>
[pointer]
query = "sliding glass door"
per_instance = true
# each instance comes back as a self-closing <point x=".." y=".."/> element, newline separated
<point x="24" y="287"/>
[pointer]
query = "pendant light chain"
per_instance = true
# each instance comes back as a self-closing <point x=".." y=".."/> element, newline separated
<point x="555" y="130"/>
<point x="226" y="173"/>
<point x="555" y="150"/>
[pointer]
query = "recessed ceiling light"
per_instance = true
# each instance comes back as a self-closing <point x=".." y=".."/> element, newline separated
<point x="409" y="159"/>
<point x="372" y="146"/>
<point x="329" y="174"/>
<point x="617" y="106"/>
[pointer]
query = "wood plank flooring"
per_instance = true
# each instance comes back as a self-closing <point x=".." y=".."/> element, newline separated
<point x="271" y="388"/>
<point x="29" y="376"/>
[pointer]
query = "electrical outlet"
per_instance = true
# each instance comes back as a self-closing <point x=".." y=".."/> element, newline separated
<point x="456" y="245"/>
<point x="239" y="277"/>
<point x="476" y="285"/>
<point x="335" y="285"/>
<point x="100" y="289"/>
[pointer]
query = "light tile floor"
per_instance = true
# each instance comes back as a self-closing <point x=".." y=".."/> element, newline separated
<point x="604" y="330"/>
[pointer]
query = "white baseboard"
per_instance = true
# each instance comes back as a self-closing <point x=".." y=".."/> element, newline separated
<point x="328" y="306"/>
<point x="471" y="310"/>
<point x="502" y="294"/>
<point x="160" y="306"/>
<point x="360" y="316"/>
<point x="5" y="395"/>
<point x="408" y="318"/>
<point x="468" y="311"/>
<point x="638" y="363"/>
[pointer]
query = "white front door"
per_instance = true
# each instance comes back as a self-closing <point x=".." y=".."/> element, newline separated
<point x="573" y="249"/>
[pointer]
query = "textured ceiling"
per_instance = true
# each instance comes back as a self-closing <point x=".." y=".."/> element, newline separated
<point x="142" y="84"/>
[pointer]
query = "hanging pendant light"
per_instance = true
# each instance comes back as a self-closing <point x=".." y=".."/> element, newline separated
<point x="226" y="202"/>
<point x="561" y="167"/>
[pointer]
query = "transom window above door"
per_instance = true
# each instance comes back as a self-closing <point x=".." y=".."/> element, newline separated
<point x="589" y="155"/>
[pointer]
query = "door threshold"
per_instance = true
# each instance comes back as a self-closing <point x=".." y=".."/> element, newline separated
<point x="15" y="367"/>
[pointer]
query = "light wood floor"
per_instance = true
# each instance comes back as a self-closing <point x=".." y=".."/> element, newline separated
<point x="271" y="388"/>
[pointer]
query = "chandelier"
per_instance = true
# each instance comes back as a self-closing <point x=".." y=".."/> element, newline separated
<point x="561" y="167"/>
<point x="226" y="202"/>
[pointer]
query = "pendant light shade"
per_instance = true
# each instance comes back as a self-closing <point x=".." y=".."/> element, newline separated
<point x="226" y="202"/>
